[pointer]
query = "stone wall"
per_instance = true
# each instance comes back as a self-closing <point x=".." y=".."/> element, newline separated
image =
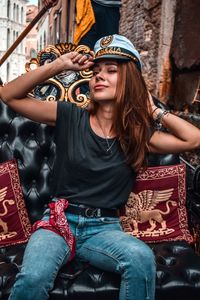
<point x="166" y="33"/>
<point x="140" y="22"/>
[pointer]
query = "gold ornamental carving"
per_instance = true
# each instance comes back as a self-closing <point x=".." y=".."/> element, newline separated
<point x="68" y="85"/>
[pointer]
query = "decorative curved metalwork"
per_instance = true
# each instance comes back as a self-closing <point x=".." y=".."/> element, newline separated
<point x="68" y="85"/>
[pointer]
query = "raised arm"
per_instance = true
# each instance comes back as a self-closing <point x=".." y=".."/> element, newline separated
<point x="182" y="136"/>
<point x="15" y="92"/>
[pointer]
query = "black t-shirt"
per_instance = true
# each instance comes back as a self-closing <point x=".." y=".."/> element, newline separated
<point x="84" y="172"/>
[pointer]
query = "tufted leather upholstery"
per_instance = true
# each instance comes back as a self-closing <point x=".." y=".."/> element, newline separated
<point x="178" y="267"/>
<point x="32" y="144"/>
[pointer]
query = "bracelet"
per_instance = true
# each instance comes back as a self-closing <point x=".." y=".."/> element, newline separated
<point x="154" y="110"/>
<point x="159" y="118"/>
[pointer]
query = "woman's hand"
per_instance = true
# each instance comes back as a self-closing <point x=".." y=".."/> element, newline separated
<point x="153" y="109"/>
<point x="74" y="61"/>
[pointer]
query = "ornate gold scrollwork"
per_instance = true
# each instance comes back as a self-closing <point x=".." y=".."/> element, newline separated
<point x="4" y="230"/>
<point x="67" y="86"/>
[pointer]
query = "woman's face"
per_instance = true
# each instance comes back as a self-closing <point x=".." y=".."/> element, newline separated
<point x="103" y="83"/>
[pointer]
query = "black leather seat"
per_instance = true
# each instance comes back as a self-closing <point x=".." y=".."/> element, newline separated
<point x="178" y="267"/>
<point x="32" y="144"/>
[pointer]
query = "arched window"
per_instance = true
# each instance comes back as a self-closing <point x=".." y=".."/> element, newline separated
<point x="44" y="39"/>
<point x="33" y="53"/>
<point x="14" y="11"/>
<point x="8" y="9"/>
<point x="17" y="13"/>
<point x="22" y="15"/>
<point x="14" y="36"/>
<point x="8" y="72"/>
<point x="8" y="38"/>
<point x="40" y="42"/>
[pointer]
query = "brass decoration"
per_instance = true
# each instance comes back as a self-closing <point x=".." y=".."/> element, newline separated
<point x="106" y="41"/>
<point x="68" y="85"/>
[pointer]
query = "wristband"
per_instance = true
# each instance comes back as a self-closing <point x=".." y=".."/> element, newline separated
<point x="159" y="118"/>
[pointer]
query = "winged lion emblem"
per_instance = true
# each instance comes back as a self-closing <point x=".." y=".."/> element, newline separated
<point x="141" y="208"/>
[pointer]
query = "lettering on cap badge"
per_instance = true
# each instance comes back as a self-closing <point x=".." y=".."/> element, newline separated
<point x="105" y="41"/>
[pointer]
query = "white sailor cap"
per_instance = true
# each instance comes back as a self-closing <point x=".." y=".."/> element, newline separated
<point x="117" y="47"/>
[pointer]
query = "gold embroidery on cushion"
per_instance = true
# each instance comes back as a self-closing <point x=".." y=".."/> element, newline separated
<point x="23" y="216"/>
<point x="162" y="173"/>
<point x="178" y="172"/>
<point x="140" y="208"/>
<point x="5" y="234"/>
<point x="11" y="169"/>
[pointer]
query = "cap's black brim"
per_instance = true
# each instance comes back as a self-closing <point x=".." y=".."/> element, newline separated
<point x="111" y="56"/>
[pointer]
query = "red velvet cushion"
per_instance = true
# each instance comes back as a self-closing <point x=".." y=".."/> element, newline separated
<point x="15" y="227"/>
<point x="155" y="210"/>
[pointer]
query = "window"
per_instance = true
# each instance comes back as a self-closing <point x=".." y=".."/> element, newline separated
<point x="55" y="30"/>
<point x="68" y="21"/>
<point x="17" y="13"/>
<point x="22" y="15"/>
<point x="40" y="42"/>
<point x="50" y="35"/>
<point x="14" y="35"/>
<point x="59" y="27"/>
<point x="44" y="39"/>
<point x="8" y="38"/>
<point x="8" y="72"/>
<point x="8" y="9"/>
<point x="33" y="53"/>
<point x="14" y="12"/>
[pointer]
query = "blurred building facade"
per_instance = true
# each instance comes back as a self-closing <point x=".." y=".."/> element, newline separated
<point x="57" y="25"/>
<point x="12" y="23"/>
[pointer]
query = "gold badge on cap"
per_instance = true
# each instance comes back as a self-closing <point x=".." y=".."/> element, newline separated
<point x="105" y="41"/>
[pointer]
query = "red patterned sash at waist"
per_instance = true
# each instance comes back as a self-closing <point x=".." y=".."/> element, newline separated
<point x="58" y="223"/>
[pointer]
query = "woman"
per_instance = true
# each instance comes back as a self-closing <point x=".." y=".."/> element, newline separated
<point x="98" y="154"/>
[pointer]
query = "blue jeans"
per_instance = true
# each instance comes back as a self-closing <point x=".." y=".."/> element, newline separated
<point x="100" y="241"/>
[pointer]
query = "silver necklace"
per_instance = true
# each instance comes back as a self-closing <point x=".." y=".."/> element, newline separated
<point x="109" y="146"/>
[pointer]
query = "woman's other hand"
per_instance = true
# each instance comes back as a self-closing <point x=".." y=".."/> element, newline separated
<point x="153" y="109"/>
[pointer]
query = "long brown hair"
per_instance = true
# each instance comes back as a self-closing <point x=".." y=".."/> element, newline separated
<point x="131" y="119"/>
